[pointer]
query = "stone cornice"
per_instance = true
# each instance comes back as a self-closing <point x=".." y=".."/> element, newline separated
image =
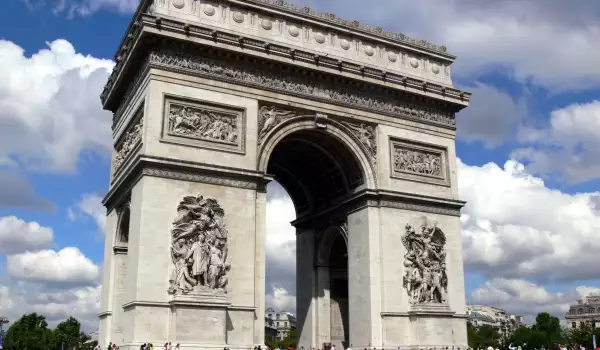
<point x="153" y="27"/>
<point x="404" y="201"/>
<point x="388" y="199"/>
<point x="143" y="165"/>
<point x="354" y="26"/>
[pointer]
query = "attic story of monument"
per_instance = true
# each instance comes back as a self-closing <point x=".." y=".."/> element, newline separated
<point x="211" y="101"/>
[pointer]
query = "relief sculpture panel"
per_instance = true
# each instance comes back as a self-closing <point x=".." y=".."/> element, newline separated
<point x="419" y="162"/>
<point x="209" y="126"/>
<point x="130" y="140"/>
<point x="199" y="248"/>
<point x="425" y="278"/>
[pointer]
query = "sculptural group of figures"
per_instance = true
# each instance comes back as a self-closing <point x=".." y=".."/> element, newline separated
<point x="203" y="124"/>
<point x="417" y="162"/>
<point x="199" y="247"/>
<point x="425" y="277"/>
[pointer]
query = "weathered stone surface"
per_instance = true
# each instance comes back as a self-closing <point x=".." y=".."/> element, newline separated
<point x="339" y="123"/>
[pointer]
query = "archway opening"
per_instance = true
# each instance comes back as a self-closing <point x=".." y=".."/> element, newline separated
<point x="318" y="173"/>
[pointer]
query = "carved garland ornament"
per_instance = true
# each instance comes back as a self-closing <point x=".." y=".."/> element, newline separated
<point x="425" y="278"/>
<point x="203" y="124"/>
<point x="199" y="248"/>
<point x="131" y="139"/>
<point x="299" y="84"/>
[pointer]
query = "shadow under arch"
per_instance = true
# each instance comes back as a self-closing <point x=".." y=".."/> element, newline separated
<point x="317" y="161"/>
<point x="321" y="165"/>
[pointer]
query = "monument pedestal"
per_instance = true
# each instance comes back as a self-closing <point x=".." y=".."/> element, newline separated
<point x="199" y="319"/>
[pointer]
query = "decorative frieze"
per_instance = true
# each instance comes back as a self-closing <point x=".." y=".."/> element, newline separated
<point x="199" y="248"/>
<point x="419" y="162"/>
<point x="425" y="278"/>
<point x="297" y="84"/>
<point x="130" y="140"/>
<point x="204" y="125"/>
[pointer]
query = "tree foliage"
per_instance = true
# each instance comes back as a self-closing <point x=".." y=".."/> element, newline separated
<point x="31" y="332"/>
<point x="583" y="335"/>
<point x="482" y="337"/>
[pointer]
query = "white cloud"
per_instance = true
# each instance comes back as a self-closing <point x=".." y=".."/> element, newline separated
<point x="67" y="267"/>
<point x="50" y="110"/>
<point x="492" y="116"/>
<point x="82" y="7"/>
<point x="17" y="192"/>
<point x="554" y="45"/>
<point x="90" y="205"/>
<point x="56" y="305"/>
<point x="18" y="236"/>
<point x="527" y="299"/>
<point x="568" y="145"/>
<point x="514" y="226"/>
<point x="280" y="250"/>
<point x="279" y="299"/>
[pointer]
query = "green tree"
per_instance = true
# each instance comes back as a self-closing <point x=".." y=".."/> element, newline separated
<point x="473" y="337"/>
<point x="290" y="340"/>
<point x="549" y="328"/>
<point x="30" y="332"/>
<point x="68" y="333"/>
<point x="271" y="341"/>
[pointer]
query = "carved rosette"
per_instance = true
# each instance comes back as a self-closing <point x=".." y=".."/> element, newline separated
<point x="199" y="248"/>
<point x="364" y="133"/>
<point x="425" y="278"/>
<point x="131" y="139"/>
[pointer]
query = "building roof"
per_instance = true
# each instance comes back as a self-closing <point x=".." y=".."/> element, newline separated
<point x="480" y="316"/>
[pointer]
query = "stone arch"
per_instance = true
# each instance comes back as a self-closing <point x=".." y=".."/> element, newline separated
<point x="328" y="238"/>
<point x="326" y="126"/>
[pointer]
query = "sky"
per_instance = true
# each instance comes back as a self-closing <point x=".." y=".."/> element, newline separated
<point x="526" y="146"/>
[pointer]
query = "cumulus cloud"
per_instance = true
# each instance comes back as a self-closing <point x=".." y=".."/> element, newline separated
<point x="50" y="111"/>
<point x="567" y="146"/>
<point x="17" y="192"/>
<point x="82" y="8"/>
<point x="280" y="250"/>
<point x="488" y="35"/>
<point x="524" y="298"/>
<point x="492" y="116"/>
<point x="514" y="226"/>
<point x="82" y="303"/>
<point x="69" y="266"/>
<point x="281" y="300"/>
<point x="18" y="236"/>
<point x="90" y="205"/>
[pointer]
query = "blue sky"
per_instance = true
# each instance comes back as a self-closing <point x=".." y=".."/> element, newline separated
<point x="536" y="105"/>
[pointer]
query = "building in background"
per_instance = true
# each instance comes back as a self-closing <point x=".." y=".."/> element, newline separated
<point x="283" y="322"/>
<point x="482" y="315"/>
<point x="585" y="311"/>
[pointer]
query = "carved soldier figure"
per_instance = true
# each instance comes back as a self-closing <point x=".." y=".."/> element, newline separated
<point x="199" y="247"/>
<point x="425" y="276"/>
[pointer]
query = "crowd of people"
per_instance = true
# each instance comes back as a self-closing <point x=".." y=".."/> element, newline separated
<point x="145" y="346"/>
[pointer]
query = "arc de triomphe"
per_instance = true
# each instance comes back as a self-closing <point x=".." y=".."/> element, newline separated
<point x="214" y="99"/>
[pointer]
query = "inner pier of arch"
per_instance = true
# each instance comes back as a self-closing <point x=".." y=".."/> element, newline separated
<point x="319" y="173"/>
